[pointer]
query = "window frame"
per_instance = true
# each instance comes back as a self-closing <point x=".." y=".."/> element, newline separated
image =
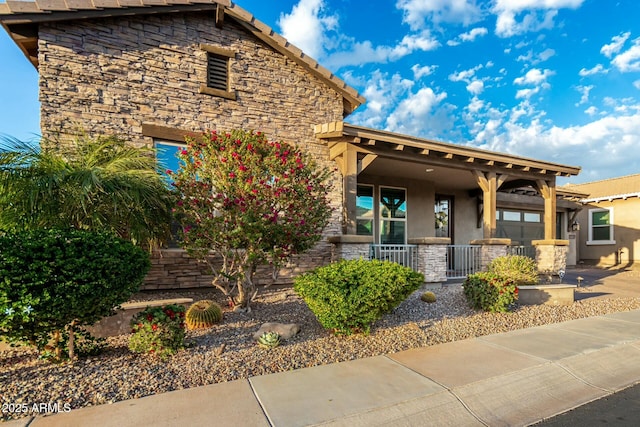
<point x="373" y="211"/>
<point x="219" y="53"/>
<point x="381" y="218"/>
<point x="611" y="240"/>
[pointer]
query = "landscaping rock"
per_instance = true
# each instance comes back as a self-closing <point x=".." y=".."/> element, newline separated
<point x="285" y="331"/>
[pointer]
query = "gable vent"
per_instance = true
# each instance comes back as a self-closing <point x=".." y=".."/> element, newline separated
<point x="217" y="71"/>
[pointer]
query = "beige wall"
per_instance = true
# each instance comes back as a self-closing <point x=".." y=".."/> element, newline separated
<point x="626" y="233"/>
<point x="112" y="75"/>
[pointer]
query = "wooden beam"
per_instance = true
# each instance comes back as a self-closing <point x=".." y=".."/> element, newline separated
<point x="398" y="147"/>
<point x="337" y="150"/>
<point x="365" y="162"/>
<point x="424" y="152"/>
<point x="219" y="16"/>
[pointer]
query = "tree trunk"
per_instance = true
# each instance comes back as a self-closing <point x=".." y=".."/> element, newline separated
<point x="246" y="289"/>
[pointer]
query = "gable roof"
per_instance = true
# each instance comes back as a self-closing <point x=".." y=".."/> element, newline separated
<point x="21" y="18"/>
<point x="609" y="189"/>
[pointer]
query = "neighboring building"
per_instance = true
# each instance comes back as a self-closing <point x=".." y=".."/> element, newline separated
<point x="155" y="71"/>
<point x="609" y="221"/>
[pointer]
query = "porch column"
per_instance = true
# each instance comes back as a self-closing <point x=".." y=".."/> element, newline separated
<point x="432" y="257"/>
<point x="489" y="182"/>
<point x="551" y="256"/>
<point x="548" y="190"/>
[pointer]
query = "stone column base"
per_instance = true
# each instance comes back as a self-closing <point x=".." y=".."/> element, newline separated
<point x="491" y="249"/>
<point x="349" y="246"/>
<point x="551" y="255"/>
<point x="432" y="257"/>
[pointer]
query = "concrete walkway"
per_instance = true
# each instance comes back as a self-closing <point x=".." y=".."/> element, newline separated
<point x="508" y="379"/>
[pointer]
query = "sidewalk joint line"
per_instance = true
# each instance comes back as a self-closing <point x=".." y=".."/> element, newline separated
<point x="264" y="411"/>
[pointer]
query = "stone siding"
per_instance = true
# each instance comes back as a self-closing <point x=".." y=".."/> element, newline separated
<point x="109" y="76"/>
<point x="432" y="262"/>
<point x="551" y="258"/>
<point x="350" y="251"/>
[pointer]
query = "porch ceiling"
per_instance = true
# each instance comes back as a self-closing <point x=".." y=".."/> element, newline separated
<point x="444" y="178"/>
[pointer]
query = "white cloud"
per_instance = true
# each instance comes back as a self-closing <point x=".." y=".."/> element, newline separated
<point x="537" y="15"/>
<point x="584" y="94"/>
<point x="546" y="54"/>
<point x="420" y="113"/>
<point x="616" y="44"/>
<point x="364" y="52"/>
<point x="527" y="93"/>
<point x="534" y="76"/>
<point x="636" y="84"/>
<point x="306" y="27"/>
<point x="629" y="60"/>
<point x="592" y="111"/>
<point x="475" y="87"/>
<point x="417" y="12"/>
<point x="598" y="69"/>
<point x="473" y="34"/>
<point x="453" y="43"/>
<point x="464" y="75"/>
<point x="419" y="72"/>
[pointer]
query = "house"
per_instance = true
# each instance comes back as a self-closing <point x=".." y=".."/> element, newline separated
<point x="155" y="70"/>
<point x="609" y="224"/>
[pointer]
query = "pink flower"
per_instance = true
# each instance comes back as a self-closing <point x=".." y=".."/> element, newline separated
<point x="232" y="175"/>
<point x="168" y="172"/>
<point x="243" y="168"/>
<point x="184" y="152"/>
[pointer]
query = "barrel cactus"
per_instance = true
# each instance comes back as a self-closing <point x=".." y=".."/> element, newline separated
<point x="269" y="340"/>
<point x="428" y="297"/>
<point x="203" y="314"/>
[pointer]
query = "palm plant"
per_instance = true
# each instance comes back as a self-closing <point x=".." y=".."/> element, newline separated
<point x="91" y="184"/>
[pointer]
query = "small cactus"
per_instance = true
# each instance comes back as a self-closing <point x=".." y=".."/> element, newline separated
<point x="203" y="314"/>
<point x="269" y="340"/>
<point x="428" y="297"/>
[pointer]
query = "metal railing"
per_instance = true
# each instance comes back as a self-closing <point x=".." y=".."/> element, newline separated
<point x="462" y="260"/>
<point x="528" y="251"/>
<point x="406" y="255"/>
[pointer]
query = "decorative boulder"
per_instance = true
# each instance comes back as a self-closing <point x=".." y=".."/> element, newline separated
<point x="285" y="331"/>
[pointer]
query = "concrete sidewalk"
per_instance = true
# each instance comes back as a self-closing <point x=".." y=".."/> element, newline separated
<point x="508" y="379"/>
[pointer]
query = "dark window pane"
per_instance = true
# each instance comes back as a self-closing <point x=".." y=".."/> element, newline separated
<point x="392" y="232"/>
<point x="601" y="233"/>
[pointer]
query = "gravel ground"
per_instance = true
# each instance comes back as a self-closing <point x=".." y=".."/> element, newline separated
<point x="227" y="351"/>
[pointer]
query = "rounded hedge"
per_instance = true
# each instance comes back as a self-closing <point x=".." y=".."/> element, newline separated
<point x="348" y="296"/>
<point x="52" y="278"/>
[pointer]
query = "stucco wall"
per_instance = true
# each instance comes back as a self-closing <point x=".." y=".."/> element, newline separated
<point x="112" y="75"/>
<point x="626" y="233"/>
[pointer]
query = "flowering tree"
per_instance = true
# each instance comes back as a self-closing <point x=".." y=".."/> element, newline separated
<point x="250" y="202"/>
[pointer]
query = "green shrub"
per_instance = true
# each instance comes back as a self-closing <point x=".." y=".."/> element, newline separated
<point x="158" y="330"/>
<point x="348" y="296"/>
<point x="428" y="297"/>
<point x="520" y="269"/>
<point x="490" y="292"/>
<point x="53" y="281"/>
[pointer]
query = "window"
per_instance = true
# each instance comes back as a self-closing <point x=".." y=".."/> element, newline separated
<point x="167" y="156"/>
<point x="218" y="70"/>
<point x="364" y="210"/>
<point x="601" y="227"/>
<point x="393" y="215"/>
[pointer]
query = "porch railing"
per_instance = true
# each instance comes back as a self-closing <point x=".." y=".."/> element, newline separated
<point x="528" y="251"/>
<point x="462" y="260"/>
<point x="406" y="255"/>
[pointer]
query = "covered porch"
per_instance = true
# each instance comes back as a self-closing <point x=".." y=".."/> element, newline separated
<point x="403" y="190"/>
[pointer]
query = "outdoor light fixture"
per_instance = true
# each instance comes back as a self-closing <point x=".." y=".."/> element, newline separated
<point x="428" y="170"/>
<point x="575" y="226"/>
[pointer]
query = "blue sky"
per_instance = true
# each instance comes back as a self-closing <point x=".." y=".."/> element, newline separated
<point x="556" y="80"/>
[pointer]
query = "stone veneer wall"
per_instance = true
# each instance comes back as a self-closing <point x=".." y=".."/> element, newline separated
<point x="109" y="76"/>
<point x="491" y="249"/>
<point x="551" y="255"/>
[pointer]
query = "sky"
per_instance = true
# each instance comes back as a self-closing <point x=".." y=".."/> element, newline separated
<point x="554" y="80"/>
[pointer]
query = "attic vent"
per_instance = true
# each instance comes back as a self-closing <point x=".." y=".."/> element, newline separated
<point x="219" y="63"/>
<point x="217" y="72"/>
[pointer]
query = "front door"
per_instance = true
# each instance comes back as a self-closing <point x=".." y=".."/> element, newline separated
<point x="444" y="216"/>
